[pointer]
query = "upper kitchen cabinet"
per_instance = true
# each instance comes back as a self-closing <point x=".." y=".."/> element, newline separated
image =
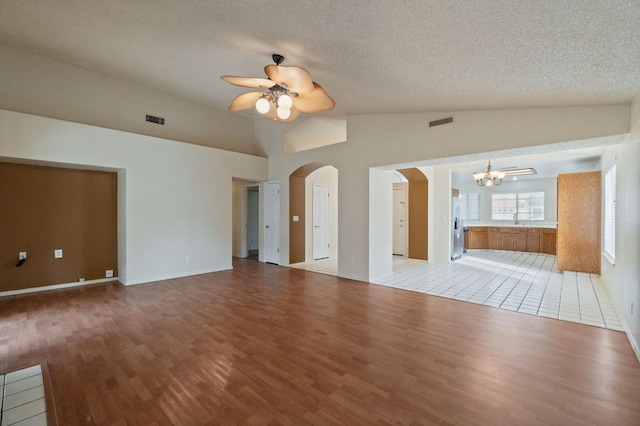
<point x="579" y="209"/>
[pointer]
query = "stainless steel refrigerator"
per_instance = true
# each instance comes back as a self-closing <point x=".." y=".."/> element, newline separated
<point x="457" y="235"/>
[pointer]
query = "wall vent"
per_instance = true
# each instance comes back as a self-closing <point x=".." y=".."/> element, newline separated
<point x="154" y="119"/>
<point x="441" y="122"/>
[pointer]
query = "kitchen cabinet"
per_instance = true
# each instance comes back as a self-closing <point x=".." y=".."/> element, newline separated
<point x="478" y="237"/>
<point x="513" y="238"/>
<point x="579" y="208"/>
<point x="533" y="240"/>
<point x="495" y="242"/>
<point x="548" y="241"/>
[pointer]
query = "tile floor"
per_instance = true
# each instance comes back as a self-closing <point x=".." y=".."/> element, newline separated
<point x="22" y="398"/>
<point x="516" y="281"/>
<point x="327" y="266"/>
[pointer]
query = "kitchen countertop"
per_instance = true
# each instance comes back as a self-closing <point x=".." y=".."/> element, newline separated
<point x="510" y="224"/>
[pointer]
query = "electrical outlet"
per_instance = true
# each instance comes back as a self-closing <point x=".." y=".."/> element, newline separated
<point x="81" y="280"/>
<point x="109" y="273"/>
<point x="57" y="253"/>
<point x="187" y="259"/>
<point x="22" y="255"/>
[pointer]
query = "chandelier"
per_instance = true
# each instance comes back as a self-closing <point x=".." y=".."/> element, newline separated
<point x="489" y="178"/>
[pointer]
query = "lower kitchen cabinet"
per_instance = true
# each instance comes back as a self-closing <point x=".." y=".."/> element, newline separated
<point x="549" y="241"/>
<point x="478" y="237"/>
<point x="534" y="240"/>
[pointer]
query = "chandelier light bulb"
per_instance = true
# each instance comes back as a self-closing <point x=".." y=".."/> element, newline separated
<point x="285" y="101"/>
<point x="263" y="106"/>
<point x="283" y="113"/>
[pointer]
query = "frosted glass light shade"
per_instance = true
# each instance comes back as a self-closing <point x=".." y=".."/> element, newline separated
<point x="283" y="113"/>
<point x="285" y="101"/>
<point x="263" y="106"/>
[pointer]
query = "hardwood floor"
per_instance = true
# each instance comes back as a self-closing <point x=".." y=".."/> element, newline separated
<point x="271" y="345"/>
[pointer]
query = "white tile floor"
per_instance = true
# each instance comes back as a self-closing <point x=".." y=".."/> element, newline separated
<point x="327" y="266"/>
<point x="516" y="281"/>
<point x="22" y="398"/>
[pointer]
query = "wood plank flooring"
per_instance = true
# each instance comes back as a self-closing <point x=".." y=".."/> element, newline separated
<point x="269" y="345"/>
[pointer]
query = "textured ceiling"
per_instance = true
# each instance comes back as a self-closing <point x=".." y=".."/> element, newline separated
<point x="371" y="56"/>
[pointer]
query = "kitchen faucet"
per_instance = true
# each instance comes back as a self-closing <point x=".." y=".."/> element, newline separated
<point x="515" y="217"/>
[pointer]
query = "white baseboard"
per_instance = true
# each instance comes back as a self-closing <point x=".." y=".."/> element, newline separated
<point x="55" y="287"/>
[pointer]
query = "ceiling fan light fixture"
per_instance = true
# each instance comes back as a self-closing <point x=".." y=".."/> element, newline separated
<point x="263" y="105"/>
<point x="283" y="113"/>
<point x="285" y="101"/>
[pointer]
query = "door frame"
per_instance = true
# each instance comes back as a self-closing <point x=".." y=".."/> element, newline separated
<point x="244" y="232"/>
<point x="264" y="253"/>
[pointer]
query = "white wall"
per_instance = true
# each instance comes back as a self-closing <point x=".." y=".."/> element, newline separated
<point x="548" y="185"/>
<point x="380" y="223"/>
<point x="175" y="200"/>
<point x="36" y="85"/>
<point x="396" y="139"/>
<point x="623" y="278"/>
<point x="327" y="176"/>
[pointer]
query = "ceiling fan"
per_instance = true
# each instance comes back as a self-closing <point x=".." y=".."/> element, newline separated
<point x="290" y="91"/>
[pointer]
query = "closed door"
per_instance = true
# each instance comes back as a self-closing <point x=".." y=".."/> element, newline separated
<point x="271" y="222"/>
<point x="398" y="221"/>
<point x="321" y="223"/>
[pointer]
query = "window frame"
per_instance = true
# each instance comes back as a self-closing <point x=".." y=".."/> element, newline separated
<point x="609" y="220"/>
<point x="517" y="194"/>
<point x="466" y="205"/>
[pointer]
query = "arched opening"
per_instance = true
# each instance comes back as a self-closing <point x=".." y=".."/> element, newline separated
<point x="416" y="204"/>
<point x="313" y="217"/>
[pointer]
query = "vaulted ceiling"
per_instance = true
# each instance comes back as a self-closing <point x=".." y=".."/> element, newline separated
<point x="371" y="56"/>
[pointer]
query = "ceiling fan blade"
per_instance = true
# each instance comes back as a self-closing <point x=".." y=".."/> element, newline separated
<point x="245" y="101"/>
<point x="273" y="115"/>
<point x="248" y="81"/>
<point x="296" y="79"/>
<point x="314" y="101"/>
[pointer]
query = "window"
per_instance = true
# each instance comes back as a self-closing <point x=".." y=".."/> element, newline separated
<point x="610" y="214"/>
<point x="526" y="205"/>
<point x="470" y="206"/>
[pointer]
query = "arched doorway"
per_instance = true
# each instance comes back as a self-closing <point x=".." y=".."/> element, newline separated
<point x="313" y="215"/>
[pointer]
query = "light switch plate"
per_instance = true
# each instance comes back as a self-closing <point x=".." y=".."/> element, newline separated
<point x="109" y="273"/>
<point x="296" y="218"/>
<point x="57" y="253"/>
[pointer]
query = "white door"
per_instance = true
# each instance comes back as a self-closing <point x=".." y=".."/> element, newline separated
<point x="321" y="226"/>
<point x="272" y="222"/>
<point x="398" y="221"/>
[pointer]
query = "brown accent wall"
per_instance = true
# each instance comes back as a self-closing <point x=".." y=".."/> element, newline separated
<point x="297" y="208"/>
<point x="579" y="209"/>
<point x="48" y="208"/>
<point x="418" y="209"/>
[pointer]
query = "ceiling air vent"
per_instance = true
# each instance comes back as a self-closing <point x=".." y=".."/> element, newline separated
<point x="441" y="122"/>
<point x="154" y="119"/>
